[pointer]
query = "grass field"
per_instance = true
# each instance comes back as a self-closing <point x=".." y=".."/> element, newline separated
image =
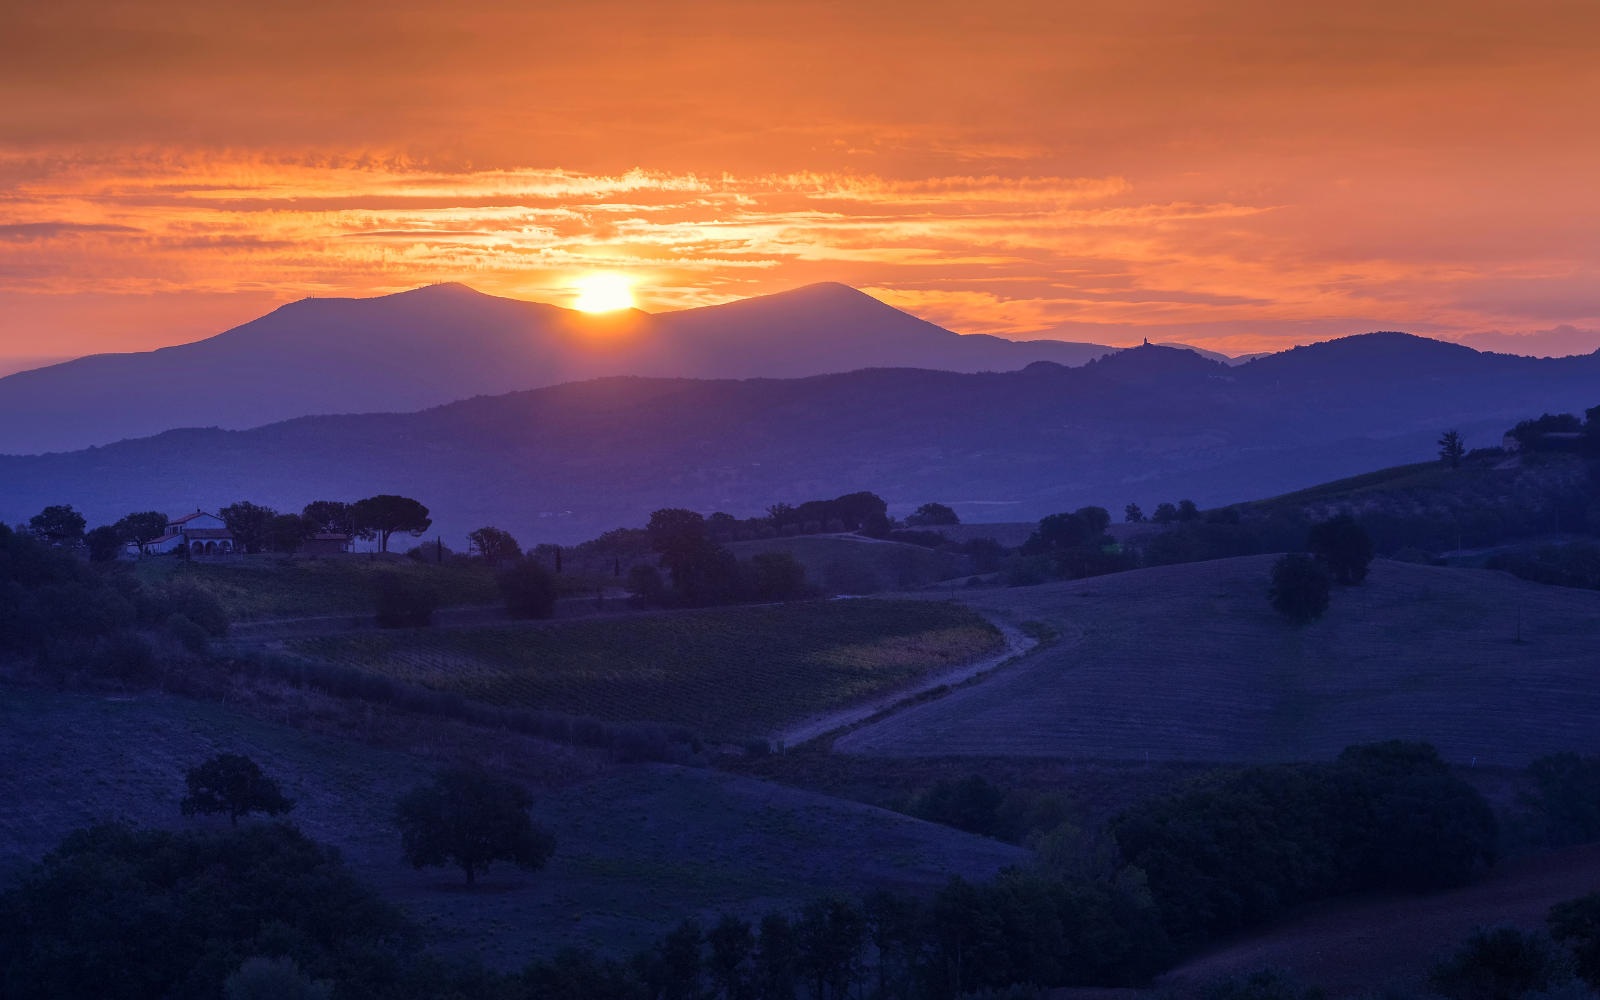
<point x="638" y="847"/>
<point x="730" y="673"/>
<point x="1190" y="663"/>
<point x="265" y="587"/>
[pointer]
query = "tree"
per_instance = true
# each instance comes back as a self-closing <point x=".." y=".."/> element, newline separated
<point x="1132" y="514"/>
<point x="1097" y="518"/>
<point x="702" y="571"/>
<point x="1451" y="449"/>
<point x="1300" y="588"/>
<point x="528" y="589"/>
<point x="931" y="515"/>
<point x="387" y="514"/>
<point x="103" y="543"/>
<point x="287" y="532"/>
<point x="142" y="529"/>
<point x="249" y="523"/>
<point x="494" y="545"/>
<point x="469" y="817"/>
<point x="1187" y="511"/>
<point x="1576" y="924"/>
<point x="1165" y="513"/>
<point x="1502" y="963"/>
<point x="59" y="523"/>
<point x="1342" y="545"/>
<point x="333" y="517"/>
<point x="732" y="943"/>
<point x="232" y="783"/>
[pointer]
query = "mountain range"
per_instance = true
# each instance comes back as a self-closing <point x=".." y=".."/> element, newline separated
<point x="447" y="342"/>
<point x="565" y="462"/>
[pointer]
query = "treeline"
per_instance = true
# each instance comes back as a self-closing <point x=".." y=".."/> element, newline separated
<point x="701" y="572"/>
<point x="1229" y="852"/>
<point x="70" y="615"/>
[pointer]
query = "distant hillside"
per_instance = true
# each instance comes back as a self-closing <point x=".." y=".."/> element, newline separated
<point x="1190" y="663"/>
<point x="567" y="462"/>
<point x="447" y="342"/>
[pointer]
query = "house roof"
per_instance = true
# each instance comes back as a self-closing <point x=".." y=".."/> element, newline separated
<point x="163" y="538"/>
<point x="191" y="517"/>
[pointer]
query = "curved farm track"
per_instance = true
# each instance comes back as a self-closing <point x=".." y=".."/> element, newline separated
<point x="1190" y="663"/>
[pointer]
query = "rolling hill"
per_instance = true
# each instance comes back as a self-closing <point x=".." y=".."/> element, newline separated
<point x="1189" y="662"/>
<point x="446" y="342"/>
<point x="567" y="462"/>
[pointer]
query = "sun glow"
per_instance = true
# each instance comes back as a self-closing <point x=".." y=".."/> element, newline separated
<point x="604" y="292"/>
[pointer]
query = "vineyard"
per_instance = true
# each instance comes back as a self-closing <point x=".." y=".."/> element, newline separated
<point x="266" y="587"/>
<point x="730" y="674"/>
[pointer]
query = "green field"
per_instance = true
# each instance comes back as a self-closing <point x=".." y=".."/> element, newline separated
<point x="259" y="588"/>
<point x="730" y="674"/>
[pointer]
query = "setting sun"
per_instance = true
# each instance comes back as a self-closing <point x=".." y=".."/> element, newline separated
<point x="604" y="292"/>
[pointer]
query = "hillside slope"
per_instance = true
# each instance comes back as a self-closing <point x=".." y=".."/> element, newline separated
<point x="568" y="462"/>
<point x="446" y="342"/>
<point x="638" y="847"/>
<point x="1189" y="662"/>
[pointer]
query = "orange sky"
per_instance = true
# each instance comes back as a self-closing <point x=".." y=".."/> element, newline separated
<point x="1241" y="176"/>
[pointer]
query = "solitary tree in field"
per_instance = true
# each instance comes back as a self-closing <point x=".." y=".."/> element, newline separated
<point x="58" y="523"/>
<point x="141" y="529"/>
<point x="1451" y="449"/>
<point x="1300" y="588"/>
<point x="1165" y="513"/>
<point x="1342" y="545"/>
<point x="469" y="817"/>
<point x="495" y="545"/>
<point x="1187" y="511"/>
<point x="1132" y="514"/>
<point x="387" y="514"/>
<point x="232" y="783"/>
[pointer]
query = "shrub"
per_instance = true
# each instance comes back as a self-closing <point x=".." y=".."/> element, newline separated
<point x="1301" y="588"/>
<point x="273" y="979"/>
<point x="124" y="656"/>
<point x="180" y="595"/>
<point x="1576" y="924"/>
<point x="1262" y="984"/>
<point x="971" y="804"/>
<point x="529" y="589"/>
<point x="403" y="603"/>
<point x="122" y="914"/>
<point x="1499" y="964"/>
<point x="104" y="543"/>
<point x="1566" y="797"/>
<point x="191" y="636"/>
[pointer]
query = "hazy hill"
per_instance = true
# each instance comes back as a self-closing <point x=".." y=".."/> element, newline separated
<point x="1190" y="662"/>
<point x="447" y="342"/>
<point x="566" y="462"/>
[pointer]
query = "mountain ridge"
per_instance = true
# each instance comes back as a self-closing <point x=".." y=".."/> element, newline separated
<point x="439" y="343"/>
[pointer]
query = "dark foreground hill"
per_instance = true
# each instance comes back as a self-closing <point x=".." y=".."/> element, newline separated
<point x="566" y="462"/>
<point x="1191" y="663"/>
<point x="447" y="342"/>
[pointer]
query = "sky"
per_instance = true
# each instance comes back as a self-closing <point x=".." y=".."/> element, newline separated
<point x="1238" y="176"/>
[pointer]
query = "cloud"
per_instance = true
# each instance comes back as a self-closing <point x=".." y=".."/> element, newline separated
<point x="29" y="232"/>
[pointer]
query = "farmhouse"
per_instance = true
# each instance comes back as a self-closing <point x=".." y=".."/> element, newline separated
<point x="201" y="533"/>
<point x="327" y="543"/>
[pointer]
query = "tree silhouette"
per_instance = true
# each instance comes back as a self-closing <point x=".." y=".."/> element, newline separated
<point x="1342" y="545"/>
<point x="232" y="783"/>
<point x="59" y="523"/>
<point x="387" y="514"/>
<point x="1300" y="588"/>
<point x="1165" y="513"/>
<point x="495" y="545"/>
<point x="103" y="543"/>
<point x="249" y="523"/>
<point x="528" y="588"/>
<point x="1187" y="511"/>
<point x="1451" y="449"/>
<point x="1132" y="514"/>
<point x="141" y="529"/>
<point x="469" y="817"/>
<point x="931" y="515"/>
